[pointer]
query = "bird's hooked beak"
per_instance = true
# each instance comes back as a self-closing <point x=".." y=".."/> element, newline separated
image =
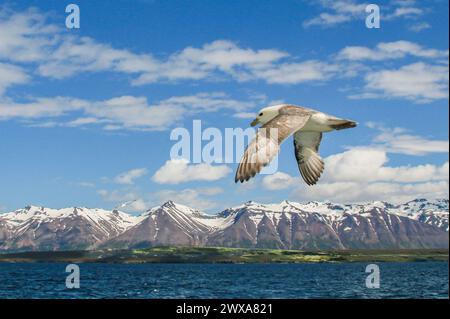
<point x="254" y="122"/>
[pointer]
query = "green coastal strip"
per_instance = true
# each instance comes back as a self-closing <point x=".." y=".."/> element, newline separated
<point x="226" y="255"/>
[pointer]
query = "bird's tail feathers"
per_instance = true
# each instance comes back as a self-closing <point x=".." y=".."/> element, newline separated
<point x="340" y="124"/>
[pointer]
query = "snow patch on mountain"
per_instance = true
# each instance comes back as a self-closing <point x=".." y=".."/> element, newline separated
<point x="103" y="220"/>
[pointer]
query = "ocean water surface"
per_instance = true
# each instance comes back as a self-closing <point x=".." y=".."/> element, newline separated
<point x="340" y="280"/>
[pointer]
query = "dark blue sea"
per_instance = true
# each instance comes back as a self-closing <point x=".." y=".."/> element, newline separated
<point x="342" y="280"/>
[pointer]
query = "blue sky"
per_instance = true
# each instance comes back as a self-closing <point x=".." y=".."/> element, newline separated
<point x="86" y="114"/>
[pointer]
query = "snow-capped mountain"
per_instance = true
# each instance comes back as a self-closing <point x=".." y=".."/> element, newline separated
<point x="430" y="212"/>
<point x="170" y="224"/>
<point x="433" y="212"/>
<point x="315" y="225"/>
<point x="40" y="228"/>
<point x="424" y="205"/>
<point x="288" y="225"/>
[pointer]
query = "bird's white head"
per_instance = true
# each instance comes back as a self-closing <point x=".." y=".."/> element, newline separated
<point x="266" y="114"/>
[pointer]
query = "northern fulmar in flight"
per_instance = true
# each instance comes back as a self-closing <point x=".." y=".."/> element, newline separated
<point x="278" y="123"/>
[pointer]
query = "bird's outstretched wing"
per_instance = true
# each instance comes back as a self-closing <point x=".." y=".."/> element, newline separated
<point x="309" y="162"/>
<point x="266" y="144"/>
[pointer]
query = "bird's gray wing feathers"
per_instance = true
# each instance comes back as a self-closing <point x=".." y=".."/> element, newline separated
<point x="309" y="162"/>
<point x="266" y="144"/>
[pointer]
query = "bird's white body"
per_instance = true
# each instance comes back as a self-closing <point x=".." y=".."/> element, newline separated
<point x="318" y="122"/>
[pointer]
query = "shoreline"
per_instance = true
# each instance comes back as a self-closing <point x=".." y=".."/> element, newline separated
<point x="221" y="255"/>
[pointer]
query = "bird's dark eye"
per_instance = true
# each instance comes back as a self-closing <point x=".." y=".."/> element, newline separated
<point x="260" y="114"/>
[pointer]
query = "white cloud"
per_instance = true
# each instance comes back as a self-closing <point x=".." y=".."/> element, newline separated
<point x="192" y="197"/>
<point x="130" y="176"/>
<point x="180" y="171"/>
<point x="25" y="36"/>
<point x="404" y="3"/>
<point x="246" y="115"/>
<point x="75" y="55"/>
<point x="127" y="201"/>
<point x="40" y="108"/>
<point x="37" y="46"/>
<point x="339" y="11"/>
<point x="131" y="112"/>
<point x="390" y="50"/>
<point x="206" y="102"/>
<point x="131" y="201"/>
<point x="352" y="192"/>
<point x="420" y="26"/>
<point x="86" y="184"/>
<point x="405" y="12"/>
<point x="369" y="165"/>
<point x="398" y="140"/>
<point x="421" y="82"/>
<point x="364" y="165"/>
<point x="138" y="205"/>
<point x="242" y="64"/>
<point x="83" y="121"/>
<point x="11" y="75"/>
<point x="367" y="168"/>
<point x="294" y="73"/>
<point x="362" y="174"/>
<point x="120" y="113"/>
<point x="418" y="82"/>
<point x="29" y="39"/>
<point x="327" y="19"/>
<point x="117" y="196"/>
<point x="279" y="180"/>
<point x="220" y="55"/>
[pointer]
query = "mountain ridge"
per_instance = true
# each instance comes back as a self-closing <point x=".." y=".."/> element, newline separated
<point x="419" y="223"/>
